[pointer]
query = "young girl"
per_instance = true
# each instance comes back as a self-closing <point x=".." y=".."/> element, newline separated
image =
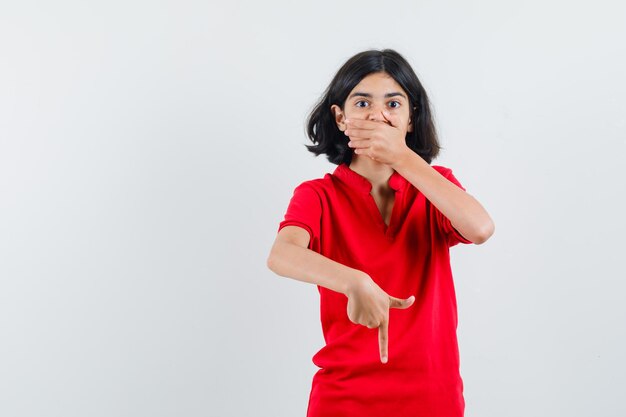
<point x="374" y="236"/>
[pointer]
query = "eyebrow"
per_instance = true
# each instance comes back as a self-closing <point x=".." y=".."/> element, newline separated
<point x="368" y="95"/>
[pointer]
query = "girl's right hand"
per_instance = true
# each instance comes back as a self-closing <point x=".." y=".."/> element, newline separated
<point x="369" y="306"/>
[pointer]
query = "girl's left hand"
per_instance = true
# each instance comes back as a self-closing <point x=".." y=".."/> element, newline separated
<point x="385" y="143"/>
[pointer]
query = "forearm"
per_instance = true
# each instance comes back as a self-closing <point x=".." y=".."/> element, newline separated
<point x="293" y="261"/>
<point x="466" y="214"/>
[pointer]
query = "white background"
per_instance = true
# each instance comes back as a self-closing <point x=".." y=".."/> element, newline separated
<point x="148" y="151"/>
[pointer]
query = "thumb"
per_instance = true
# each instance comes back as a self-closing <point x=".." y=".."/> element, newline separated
<point x="400" y="303"/>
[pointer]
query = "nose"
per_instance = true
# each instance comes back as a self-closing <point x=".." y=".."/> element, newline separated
<point x="375" y="114"/>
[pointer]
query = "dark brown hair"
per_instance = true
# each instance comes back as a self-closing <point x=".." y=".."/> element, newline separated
<point x="322" y="129"/>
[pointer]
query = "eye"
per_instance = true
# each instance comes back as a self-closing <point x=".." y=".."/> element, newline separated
<point x="360" y="101"/>
<point x="397" y="102"/>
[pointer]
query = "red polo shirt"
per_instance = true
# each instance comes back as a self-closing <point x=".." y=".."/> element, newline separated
<point x="410" y="257"/>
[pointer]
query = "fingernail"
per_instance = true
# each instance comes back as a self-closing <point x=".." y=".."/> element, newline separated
<point x="384" y="359"/>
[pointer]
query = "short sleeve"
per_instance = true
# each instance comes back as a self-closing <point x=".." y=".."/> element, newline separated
<point x="305" y="210"/>
<point x="452" y="235"/>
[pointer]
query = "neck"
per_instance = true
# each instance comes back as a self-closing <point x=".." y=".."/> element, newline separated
<point x="376" y="172"/>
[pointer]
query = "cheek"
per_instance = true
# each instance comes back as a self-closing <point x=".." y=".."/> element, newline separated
<point x="356" y="113"/>
<point x="351" y="112"/>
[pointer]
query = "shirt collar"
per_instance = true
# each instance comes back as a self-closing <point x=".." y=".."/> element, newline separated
<point x="355" y="180"/>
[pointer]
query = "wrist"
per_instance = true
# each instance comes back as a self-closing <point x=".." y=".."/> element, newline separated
<point x="354" y="281"/>
<point x="406" y="159"/>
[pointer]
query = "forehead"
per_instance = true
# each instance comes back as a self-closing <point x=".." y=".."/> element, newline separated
<point x="378" y="82"/>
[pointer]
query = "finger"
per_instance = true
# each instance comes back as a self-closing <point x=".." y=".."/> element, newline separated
<point x="383" y="340"/>
<point x="392" y="118"/>
<point x="359" y="143"/>
<point x="362" y="123"/>
<point x="358" y="133"/>
<point x="400" y="303"/>
<point x="365" y="152"/>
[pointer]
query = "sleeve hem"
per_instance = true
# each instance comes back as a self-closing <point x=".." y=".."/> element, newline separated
<point x="300" y="224"/>
<point x="456" y="237"/>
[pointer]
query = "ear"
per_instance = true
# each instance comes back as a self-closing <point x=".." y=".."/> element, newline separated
<point x="339" y="116"/>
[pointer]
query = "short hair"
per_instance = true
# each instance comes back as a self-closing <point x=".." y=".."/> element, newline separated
<point x="322" y="129"/>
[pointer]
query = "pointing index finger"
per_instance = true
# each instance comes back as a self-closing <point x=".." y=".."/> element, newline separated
<point x="383" y="340"/>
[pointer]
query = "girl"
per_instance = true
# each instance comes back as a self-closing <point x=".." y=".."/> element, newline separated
<point x="374" y="236"/>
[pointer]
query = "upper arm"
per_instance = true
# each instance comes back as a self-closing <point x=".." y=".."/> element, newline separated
<point x="304" y="214"/>
<point x="290" y="234"/>
<point x="295" y="235"/>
